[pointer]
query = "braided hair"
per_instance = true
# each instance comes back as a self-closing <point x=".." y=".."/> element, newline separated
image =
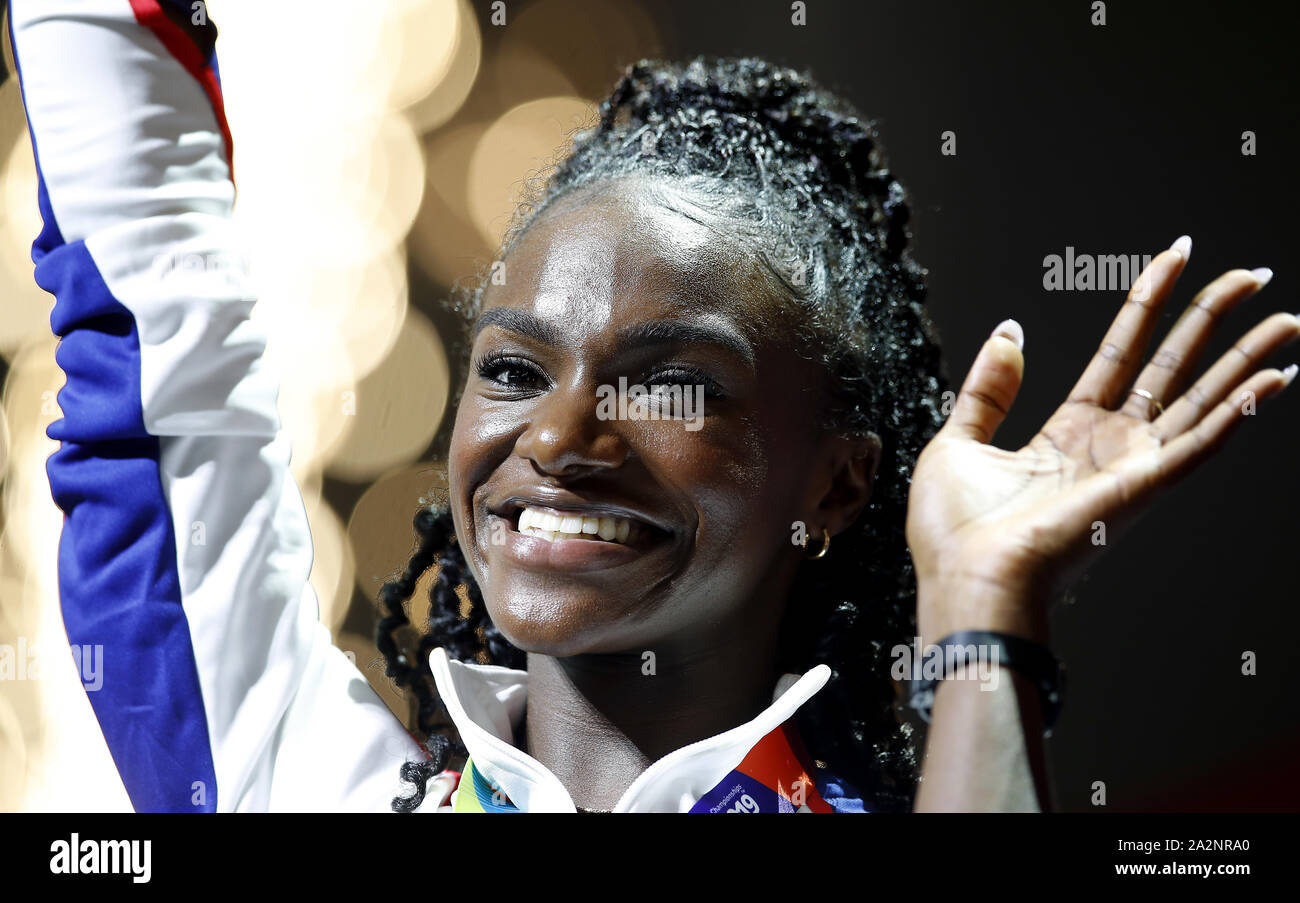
<point x="797" y="176"/>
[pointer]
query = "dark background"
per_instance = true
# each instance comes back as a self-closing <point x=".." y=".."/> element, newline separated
<point x="1113" y="139"/>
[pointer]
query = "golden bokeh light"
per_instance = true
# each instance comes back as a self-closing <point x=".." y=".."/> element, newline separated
<point x="521" y="73"/>
<point x="327" y="170"/>
<point x="361" y="305"/>
<point x="362" y="136"/>
<point x="316" y="397"/>
<point x="444" y="243"/>
<point x="591" y="40"/>
<point x="14" y="726"/>
<point x="26" y="306"/>
<point x="333" y="566"/>
<point x="32" y="520"/>
<point x="346" y="198"/>
<point x="4" y="444"/>
<point x="380" y="528"/>
<point x="447" y="97"/>
<point x="20" y="701"/>
<point x="299" y="62"/>
<point x="371" y="663"/>
<point x="397" y="408"/>
<point x="69" y="734"/>
<point x="421" y="38"/>
<point x="518" y="146"/>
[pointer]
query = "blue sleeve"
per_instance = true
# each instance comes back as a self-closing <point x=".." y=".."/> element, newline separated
<point x="185" y="551"/>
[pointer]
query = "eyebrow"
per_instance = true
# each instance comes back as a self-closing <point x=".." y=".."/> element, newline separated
<point x="653" y="332"/>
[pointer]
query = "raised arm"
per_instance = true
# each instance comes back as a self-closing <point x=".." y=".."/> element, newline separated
<point x="185" y="550"/>
<point x="997" y="534"/>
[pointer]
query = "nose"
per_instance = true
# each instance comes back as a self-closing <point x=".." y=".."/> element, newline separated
<point x="566" y="437"/>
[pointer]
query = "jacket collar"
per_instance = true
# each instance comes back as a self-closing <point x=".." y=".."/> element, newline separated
<point x="486" y="703"/>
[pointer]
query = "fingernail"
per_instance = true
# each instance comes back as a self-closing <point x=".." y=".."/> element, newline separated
<point x="1010" y="329"/>
<point x="1262" y="275"/>
<point x="1289" y="374"/>
<point x="1183" y="246"/>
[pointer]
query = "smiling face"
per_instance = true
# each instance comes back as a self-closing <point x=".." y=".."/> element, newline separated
<point x="678" y="531"/>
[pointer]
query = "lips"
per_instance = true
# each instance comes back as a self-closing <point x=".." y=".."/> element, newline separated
<point x="553" y="525"/>
<point x="572" y="535"/>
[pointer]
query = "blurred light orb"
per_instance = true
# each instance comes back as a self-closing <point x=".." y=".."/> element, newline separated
<point x="398" y="407"/>
<point x="347" y="198"/>
<point x="4" y="444"/>
<point x="592" y="41"/>
<point x="317" y="391"/>
<point x="520" y="145"/>
<point x="358" y="304"/>
<point x="456" y="80"/>
<point x="443" y="241"/>
<point x="522" y="72"/>
<point x="13" y="739"/>
<point x="380" y="528"/>
<point x="30" y="404"/>
<point x="33" y="523"/>
<point x="25" y="306"/>
<point x="333" y="566"/>
<point x="423" y="37"/>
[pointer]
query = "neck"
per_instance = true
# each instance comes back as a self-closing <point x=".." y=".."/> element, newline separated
<point x="598" y="721"/>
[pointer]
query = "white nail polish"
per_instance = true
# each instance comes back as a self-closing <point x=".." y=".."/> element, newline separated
<point x="1262" y="275"/>
<point x="1010" y="329"/>
<point x="1289" y="374"/>
<point x="1183" y="246"/>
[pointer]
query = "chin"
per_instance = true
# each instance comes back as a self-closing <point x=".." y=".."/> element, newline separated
<point x="540" y="625"/>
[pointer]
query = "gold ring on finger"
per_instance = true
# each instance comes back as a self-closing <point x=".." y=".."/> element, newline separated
<point x="1160" y="409"/>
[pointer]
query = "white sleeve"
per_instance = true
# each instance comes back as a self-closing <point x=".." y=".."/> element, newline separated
<point x="185" y="551"/>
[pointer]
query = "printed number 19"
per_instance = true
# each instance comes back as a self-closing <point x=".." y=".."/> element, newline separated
<point x="746" y="804"/>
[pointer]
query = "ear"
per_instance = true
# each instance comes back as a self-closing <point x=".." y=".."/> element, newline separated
<point x="848" y="473"/>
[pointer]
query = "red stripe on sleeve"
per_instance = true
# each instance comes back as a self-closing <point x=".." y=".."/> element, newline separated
<point x="150" y="14"/>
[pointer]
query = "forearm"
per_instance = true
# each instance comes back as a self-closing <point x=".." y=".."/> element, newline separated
<point x="185" y="552"/>
<point x="984" y="751"/>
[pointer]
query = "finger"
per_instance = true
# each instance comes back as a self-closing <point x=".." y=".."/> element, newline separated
<point x="1169" y="371"/>
<point x="1241" y="360"/>
<point x="1192" y="447"/>
<point x="1113" y="366"/>
<point x="991" y="385"/>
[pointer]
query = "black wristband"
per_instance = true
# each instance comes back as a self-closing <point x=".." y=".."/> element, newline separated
<point x="1032" y="660"/>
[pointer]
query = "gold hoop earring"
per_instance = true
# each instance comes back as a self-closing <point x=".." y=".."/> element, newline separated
<point x="826" y="544"/>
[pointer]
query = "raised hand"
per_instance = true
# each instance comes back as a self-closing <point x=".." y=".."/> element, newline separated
<point x="997" y="533"/>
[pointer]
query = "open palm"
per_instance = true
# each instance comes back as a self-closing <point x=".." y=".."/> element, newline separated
<point x="1019" y="522"/>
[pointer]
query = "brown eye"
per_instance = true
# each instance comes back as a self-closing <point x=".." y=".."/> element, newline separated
<point x="685" y="377"/>
<point x="510" y="372"/>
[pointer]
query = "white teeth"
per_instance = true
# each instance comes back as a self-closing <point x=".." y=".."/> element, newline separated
<point x="551" y="526"/>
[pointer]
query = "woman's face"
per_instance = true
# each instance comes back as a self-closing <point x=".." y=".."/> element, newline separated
<point x="611" y="284"/>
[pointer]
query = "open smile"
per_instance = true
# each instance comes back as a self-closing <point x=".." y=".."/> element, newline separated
<point x="571" y="539"/>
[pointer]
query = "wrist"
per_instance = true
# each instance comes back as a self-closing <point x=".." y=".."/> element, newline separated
<point x="948" y="606"/>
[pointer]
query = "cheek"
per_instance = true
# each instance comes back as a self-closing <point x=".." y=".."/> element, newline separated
<point x="726" y="473"/>
<point x="478" y="442"/>
<point x="481" y="435"/>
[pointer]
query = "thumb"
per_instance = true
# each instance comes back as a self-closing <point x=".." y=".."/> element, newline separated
<point x="991" y="385"/>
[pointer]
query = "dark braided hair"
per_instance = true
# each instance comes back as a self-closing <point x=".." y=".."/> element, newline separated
<point x="802" y="182"/>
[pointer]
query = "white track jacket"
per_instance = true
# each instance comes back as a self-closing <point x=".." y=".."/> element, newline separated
<point x="222" y="690"/>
